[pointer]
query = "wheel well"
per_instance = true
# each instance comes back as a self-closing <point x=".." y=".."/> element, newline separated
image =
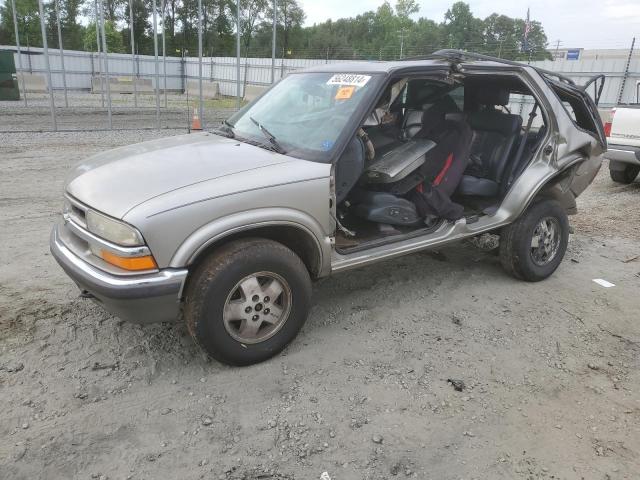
<point x="298" y="240"/>
<point x="559" y="188"/>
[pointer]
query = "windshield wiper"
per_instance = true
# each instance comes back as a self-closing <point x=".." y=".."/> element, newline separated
<point x="226" y="129"/>
<point x="272" y="139"/>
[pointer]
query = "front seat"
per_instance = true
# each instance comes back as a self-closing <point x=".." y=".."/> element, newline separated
<point x="494" y="135"/>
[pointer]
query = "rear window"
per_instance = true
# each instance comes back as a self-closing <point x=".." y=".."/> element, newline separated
<point x="577" y="110"/>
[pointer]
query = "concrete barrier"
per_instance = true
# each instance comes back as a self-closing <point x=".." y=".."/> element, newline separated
<point x="122" y="85"/>
<point x="33" y="82"/>
<point x="251" y="92"/>
<point x="209" y="89"/>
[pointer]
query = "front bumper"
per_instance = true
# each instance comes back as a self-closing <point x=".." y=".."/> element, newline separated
<point x="623" y="153"/>
<point x="153" y="297"/>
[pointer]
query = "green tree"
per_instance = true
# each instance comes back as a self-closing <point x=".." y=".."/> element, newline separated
<point x="28" y="23"/>
<point x="112" y="35"/>
<point x="462" y="29"/>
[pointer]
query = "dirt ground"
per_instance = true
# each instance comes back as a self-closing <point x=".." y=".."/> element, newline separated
<point x="550" y="370"/>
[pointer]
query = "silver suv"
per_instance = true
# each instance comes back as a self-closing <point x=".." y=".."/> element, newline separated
<point x="228" y="229"/>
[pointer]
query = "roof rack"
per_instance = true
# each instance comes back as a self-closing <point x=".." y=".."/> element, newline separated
<point x="461" y="55"/>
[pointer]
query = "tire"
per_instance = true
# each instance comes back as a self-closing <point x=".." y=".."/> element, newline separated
<point x="231" y="316"/>
<point x="626" y="175"/>
<point x="545" y="220"/>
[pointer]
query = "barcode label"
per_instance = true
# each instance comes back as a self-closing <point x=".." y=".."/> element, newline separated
<point x="354" y="79"/>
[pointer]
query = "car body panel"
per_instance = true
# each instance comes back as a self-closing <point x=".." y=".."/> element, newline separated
<point x="186" y="193"/>
<point x="624" y="147"/>
<point x="301" y="188"/>
<point x="116" y="181"/>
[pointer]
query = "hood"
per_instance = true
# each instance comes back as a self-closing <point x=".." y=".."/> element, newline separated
<point x="116" y="181"/>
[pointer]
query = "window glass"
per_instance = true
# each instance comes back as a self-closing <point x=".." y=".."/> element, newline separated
<point x="306" y="113"/>
<point x="520" y="104"/>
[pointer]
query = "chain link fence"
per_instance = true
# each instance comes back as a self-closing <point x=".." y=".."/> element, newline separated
<point x="76" y="90"/>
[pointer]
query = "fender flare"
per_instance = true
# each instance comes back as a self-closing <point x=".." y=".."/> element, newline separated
<point x="219" y="229"/>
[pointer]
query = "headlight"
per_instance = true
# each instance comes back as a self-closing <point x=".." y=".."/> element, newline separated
<point x="113" y="230"/>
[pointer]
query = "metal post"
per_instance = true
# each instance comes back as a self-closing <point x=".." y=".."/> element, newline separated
<point x="15" y="26"/>
<point x="133" y="56"/>
<point x="626" y="71"/>
<point x="106" y="63"/>
<point x="61" y="50"/>
<point x="164" y="53"/>
<point x="201" y="104"/>
<point x="155" y="53"/>
<point x="99" y="56"/>
<point x="238" y="55"/>
<point x="45" y="49"/>
<point x="273" y="43"/>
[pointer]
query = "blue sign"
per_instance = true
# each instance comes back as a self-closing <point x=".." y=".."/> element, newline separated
<point x="573" y="54"/>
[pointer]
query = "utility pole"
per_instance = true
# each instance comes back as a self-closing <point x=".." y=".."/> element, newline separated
<point x="401" y="43"/>
<point x="626" y="71"/>
<point x="557" y="49"/>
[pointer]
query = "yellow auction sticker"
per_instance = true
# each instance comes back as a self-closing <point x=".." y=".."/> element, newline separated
<point x="345" y="93"/>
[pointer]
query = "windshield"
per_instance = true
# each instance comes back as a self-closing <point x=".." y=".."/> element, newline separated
<point x="305" y="113"/>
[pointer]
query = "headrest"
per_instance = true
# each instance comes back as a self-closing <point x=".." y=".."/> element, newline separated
<point x="492" y="121"/>
<point x="435" y="114"/>
<point x="491" y="96"/>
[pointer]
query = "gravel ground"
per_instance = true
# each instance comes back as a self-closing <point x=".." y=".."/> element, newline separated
<point x="548" y="373"/>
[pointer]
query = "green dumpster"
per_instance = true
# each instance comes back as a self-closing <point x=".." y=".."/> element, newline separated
<point x="8" y="80"/>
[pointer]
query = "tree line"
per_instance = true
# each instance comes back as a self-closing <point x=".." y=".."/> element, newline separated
<point x="390" y="32"/>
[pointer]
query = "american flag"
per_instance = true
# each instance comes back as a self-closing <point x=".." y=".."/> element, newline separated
<point x="527" y="29"/>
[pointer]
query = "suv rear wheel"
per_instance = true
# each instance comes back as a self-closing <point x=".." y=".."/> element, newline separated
<point x="247" y="301"/>
<point x="533" y="246"/>
<point x="624" y="173"/>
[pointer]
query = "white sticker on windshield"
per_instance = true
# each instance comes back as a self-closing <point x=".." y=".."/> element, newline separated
<point x="354" y="79"/>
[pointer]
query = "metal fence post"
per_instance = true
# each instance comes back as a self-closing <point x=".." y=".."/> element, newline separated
<point x="61" y="50"/>
<point x="43" y="29"/>
<point x="156" y="68"/>
<point x="99" y="56"/>
<point x="626" y="71"/>
<point x="15" y="26"/>
<point x="133" y="56"/>
<point x="238" y="55"/>
<point x="106" y="64"/>
<point x="164" y="53"/>
<point x="273" y="43"/>
<point x="201" y="104"/>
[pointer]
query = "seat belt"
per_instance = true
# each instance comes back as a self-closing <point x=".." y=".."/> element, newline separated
<point x="523" y="142"/>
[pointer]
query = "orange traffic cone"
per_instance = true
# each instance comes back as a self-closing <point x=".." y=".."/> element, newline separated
<point x="195" y="121"/>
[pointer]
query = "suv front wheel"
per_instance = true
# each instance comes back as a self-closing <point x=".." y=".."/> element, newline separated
<point x="247" y="301"/>
<point x="533" y="246"/>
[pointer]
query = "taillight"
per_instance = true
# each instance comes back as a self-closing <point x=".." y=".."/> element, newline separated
<point x="607" y="125"/>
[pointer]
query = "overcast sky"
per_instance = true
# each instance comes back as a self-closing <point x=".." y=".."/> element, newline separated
<point x="576" y="23"/>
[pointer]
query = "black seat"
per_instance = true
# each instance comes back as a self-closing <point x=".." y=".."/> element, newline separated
<point x="421" y="121"/>
<point x="494" y="135"/>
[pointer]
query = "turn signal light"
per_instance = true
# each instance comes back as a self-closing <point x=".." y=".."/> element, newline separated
<point x="129" y="263"/>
